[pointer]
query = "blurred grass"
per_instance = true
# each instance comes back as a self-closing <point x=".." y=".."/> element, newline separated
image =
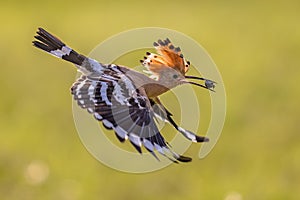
<point x="256" y="47"/>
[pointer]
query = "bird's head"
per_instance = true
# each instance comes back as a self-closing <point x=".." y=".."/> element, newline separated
<point x="169" y="66"/>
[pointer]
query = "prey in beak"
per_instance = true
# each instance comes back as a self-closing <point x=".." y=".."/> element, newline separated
<point x="208" y="84"/>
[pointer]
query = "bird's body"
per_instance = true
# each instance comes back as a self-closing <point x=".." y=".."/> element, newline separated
<point x="126" y="100"/>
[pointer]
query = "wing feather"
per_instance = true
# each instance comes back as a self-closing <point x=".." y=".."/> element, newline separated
<point x="113" y="99"/>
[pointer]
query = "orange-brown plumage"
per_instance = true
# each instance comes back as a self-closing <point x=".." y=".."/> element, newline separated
<point x="168" y="56"/>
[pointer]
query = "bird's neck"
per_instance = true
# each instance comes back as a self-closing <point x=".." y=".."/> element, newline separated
<point x="155" y="89"/>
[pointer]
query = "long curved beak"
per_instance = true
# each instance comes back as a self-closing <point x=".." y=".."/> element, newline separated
<point x="208" y="84"/>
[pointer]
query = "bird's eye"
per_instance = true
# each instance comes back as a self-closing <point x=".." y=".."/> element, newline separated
<point x="175" y="76"/>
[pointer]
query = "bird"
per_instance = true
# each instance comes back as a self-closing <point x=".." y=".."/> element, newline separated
<point x="127" y="101"/>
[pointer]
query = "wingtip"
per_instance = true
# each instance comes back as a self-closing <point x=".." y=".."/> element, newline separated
<point x="202" y="139"/>
<point x="184" y="159"/>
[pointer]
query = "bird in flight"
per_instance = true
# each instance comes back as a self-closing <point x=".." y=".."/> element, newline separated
<point x="126" y="100"/>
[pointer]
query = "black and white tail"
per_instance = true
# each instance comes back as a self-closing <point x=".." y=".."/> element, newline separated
<point x="56" y="47"/>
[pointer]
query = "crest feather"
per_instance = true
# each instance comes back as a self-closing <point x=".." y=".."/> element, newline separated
<point x="168" y="56"/>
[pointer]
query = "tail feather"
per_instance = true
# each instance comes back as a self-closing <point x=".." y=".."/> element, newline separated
<point x="54" y="46"/>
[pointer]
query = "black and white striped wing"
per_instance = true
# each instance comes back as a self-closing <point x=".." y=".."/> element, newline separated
<point x="162" y="113"/>
<point x="113" y="99"/>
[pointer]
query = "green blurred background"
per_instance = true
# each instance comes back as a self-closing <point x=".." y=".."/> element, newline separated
<point x="255" y="45"/>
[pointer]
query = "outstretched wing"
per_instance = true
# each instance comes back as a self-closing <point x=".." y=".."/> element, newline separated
<point x="165" y="115"/>
<point x="113" y="99"/>
<point x="108" y="92"/>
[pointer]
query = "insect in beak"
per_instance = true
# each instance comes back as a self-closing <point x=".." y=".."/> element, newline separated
<point x="208" y="84"/>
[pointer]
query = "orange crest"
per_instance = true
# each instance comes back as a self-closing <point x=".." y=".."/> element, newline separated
<point x="168" y="56"/>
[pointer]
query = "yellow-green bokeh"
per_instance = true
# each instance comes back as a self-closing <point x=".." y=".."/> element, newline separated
<point x="256" y="46"/>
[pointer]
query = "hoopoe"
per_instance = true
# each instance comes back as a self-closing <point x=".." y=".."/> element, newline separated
<point x="126" y="100"/>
